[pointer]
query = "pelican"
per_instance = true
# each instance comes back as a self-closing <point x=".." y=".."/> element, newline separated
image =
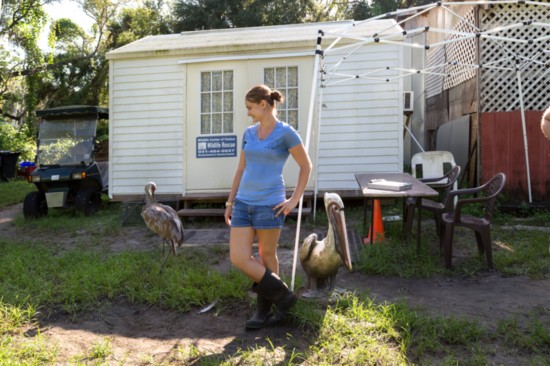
<point x="162" y="220"/>
<point x="545" y="124"/>
<point x="322" y="259"/>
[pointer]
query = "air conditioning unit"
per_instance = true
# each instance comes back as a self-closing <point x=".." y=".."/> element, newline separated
<point x="408" y="101"/>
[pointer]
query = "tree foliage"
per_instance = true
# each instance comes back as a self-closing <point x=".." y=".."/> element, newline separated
<point x="22" y="21"/>
<point x="139" y="22"/>
<point x="218" y="14"/>
<point x="17" y="140"/>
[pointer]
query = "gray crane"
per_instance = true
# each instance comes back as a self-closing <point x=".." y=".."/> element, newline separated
<point x="162" y="220"/>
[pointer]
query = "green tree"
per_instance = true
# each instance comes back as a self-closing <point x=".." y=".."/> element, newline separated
<point x="137" y="23"/>
<point x="17" y="140"/>
<point x="360" y="10"/>
<point x="384" y="6"/>
<point x="218" y="14"/>
<point x="79" y="70"/>
<point x="22" y="62"/>
<point x="387" y="6"/>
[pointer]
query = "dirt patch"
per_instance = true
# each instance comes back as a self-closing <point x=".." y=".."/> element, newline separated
<point x="141" y="334"/>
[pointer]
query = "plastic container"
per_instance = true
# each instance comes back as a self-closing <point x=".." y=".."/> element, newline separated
<point x="26" y="168"/>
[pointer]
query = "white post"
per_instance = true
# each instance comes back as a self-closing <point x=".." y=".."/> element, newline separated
<point x="318" y="53"/>
<point x="318" y="141"/>
<point x="518" y="73"/>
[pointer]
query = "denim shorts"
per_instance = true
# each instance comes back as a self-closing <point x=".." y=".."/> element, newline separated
<point x="258" y="217"/>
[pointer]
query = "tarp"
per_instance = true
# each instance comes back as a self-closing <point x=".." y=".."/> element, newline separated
<point x="74" y="110"/>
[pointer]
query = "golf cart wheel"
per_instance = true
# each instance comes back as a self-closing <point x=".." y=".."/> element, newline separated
<point x="87" y="201"/>
<point x="35" y="205"/>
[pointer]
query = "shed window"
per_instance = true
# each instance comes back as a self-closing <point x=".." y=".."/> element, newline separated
<point x="285" y="79"/>
<point x="216" y="102"/>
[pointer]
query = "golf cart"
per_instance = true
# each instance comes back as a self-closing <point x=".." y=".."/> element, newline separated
<point x="66" y="173"/>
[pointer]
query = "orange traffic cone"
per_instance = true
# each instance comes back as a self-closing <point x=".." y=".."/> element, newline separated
<point x="377" y="223"/>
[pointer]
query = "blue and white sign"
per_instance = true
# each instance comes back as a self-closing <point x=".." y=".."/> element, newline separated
<point x="216" y="146"/>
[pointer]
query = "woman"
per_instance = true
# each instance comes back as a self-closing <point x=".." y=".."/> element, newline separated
<point x="257" y="204"/>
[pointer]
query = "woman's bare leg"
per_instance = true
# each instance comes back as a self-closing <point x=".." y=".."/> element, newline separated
<point x="267" y="247"/>
<point x="240" y="253"/>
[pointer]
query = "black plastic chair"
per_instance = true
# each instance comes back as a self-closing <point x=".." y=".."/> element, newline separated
<point x="436" y="207"/>
<point x="486" y="195"/>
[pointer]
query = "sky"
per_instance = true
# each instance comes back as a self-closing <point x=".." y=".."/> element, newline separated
<point x="68" y="9"/>
<point x="64" y="9"/>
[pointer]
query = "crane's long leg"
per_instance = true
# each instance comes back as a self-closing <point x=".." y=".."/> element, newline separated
<point x="164" y="255"/>
<point x="163" y="263"/>
<point x="173" y="251"/>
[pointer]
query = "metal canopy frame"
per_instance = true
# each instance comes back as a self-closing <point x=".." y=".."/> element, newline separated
<point x="518" y="61"/>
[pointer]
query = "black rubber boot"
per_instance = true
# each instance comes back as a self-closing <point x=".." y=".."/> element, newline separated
<point x="261" y="315"/>
<point x="272" y="288"/>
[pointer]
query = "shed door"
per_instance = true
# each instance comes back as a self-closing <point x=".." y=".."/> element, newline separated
<point x="215" y="96"/>
<point x="216" y="119"/>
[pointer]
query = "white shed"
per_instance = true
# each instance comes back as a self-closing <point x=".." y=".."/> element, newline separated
<point x="177" y="110"/>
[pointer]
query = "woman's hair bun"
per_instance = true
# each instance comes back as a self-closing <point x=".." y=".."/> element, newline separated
<point x="276" y="96"/>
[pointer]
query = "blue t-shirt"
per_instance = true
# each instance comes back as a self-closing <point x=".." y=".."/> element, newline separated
<point x="262" y="182"/>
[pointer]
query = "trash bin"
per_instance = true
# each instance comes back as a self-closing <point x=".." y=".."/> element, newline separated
<point x="8" y="164"/>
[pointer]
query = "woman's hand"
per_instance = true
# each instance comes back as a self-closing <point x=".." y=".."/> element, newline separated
<point x="285" y="207"/>
<point x="227" y="215"/>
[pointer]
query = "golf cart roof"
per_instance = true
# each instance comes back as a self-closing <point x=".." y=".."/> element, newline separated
<point x="74" y="110"/>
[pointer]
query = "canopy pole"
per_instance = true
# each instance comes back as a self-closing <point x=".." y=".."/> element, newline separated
<point x="412" y="136"/>
<point x="318" y="53"/>
<point x="518" y="73"/>
<point x="318" y="140"/>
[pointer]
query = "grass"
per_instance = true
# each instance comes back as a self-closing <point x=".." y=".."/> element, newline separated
<point x="79" y="280"/>
<point x="14" y="191"/>
<point x="38" y="276"/>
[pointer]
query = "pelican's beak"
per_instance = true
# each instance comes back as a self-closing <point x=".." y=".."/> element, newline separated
<point x="341" y="234"/>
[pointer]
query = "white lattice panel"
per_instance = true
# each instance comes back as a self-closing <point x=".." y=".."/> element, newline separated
<point x="462" y="53"/>
<point x="453" y="59"/>
<point x="499" y="86"/>
<point x="435" y="61"/>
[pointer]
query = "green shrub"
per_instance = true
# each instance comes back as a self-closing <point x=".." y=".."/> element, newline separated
<point x="17" y="140"/>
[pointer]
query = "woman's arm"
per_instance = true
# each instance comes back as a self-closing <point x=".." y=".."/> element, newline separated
<point x="234" y="187"/>
<point x="301" y="157"/>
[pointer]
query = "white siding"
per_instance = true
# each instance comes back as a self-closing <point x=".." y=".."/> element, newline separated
<point x="146" y="125"/>
<point x="361" y="119"/>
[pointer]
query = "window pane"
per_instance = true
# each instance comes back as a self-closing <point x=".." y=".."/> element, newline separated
<point x="228" y="123"/>
<point x="205" y="124"/>
<point x="228" y="102"/>
<point x="216" y="81"/>
<point x="280" y="78"/>
<point x="228" y="80"/>
<point x="205" y="103"/>
<point x="285" y="79"/>
<point x="293" y="119"/>
<point x="292" y="98"/>
<point x="217" y="123"/>
<point x="281" y="115"/>
<point x="216" y="102"/>
<point x="292" y="76"/>
<point x="205" y="81"/>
